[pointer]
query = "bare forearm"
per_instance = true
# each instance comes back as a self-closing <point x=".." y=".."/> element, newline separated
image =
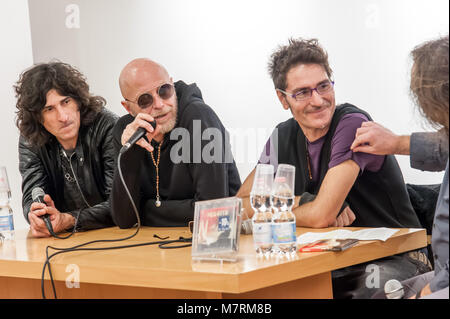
<point x="248" y="211"/>
<point x="244" y="194"/>
<point x="309" y="215"/>
<point x="402" y="145"/>
<point x="323" y="210"/>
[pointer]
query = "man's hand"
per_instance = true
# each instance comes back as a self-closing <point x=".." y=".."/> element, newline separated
<point x="346" y="218"/>
<point x="141" y="120"/>
<point x="60" y="221"/>
<point x="425" y="291"/>
<point x="375" y="139"/>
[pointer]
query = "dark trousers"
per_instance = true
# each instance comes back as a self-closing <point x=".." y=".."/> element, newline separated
<point x="411" y="286"/>
<point x="364" y="280"/>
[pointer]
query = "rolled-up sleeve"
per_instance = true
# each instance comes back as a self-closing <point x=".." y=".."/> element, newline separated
<point x="429" y="151"/>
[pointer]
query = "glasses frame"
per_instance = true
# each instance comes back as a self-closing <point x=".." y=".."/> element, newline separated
<point x="153" y="99"/>
<point x="295" y="95"/>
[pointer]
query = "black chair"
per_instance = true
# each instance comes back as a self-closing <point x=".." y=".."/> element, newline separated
<point x="424" y="199"/>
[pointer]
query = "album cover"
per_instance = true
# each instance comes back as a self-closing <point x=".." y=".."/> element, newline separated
<point x="216" y="229"/>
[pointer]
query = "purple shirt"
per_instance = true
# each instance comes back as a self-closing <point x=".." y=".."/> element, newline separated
<point x="340" y="148"/>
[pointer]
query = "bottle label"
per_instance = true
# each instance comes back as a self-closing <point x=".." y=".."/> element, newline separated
<point x="283" y="232"/>
<point x="262" y="233"/>
<point x="6" y="223"/>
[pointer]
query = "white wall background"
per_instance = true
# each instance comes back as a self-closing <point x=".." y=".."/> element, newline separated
<point x="224" y="47"/>
<point x="15" y="55"/>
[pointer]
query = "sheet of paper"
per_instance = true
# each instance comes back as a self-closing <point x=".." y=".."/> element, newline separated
<point x="381" y="233"/>
<point x="413" y="230"/>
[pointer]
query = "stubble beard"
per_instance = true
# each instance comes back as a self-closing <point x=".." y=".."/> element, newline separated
<point x="170" y="124"/>
<point x="322" y="127"/>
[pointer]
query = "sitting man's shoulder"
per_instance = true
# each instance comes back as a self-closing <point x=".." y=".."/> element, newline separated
<point x="105" y="118"/>
<point x="191" y="106"/>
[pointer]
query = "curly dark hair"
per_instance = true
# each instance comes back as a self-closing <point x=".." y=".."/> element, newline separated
<point x="31" y="91"/>
<point x="429" y="80"/>
<point x="298" y="51"/>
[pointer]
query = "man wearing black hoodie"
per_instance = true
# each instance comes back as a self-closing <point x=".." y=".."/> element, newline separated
<point x="187" y="157"/>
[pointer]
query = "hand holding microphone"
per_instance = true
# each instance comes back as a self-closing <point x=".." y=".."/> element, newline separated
<point x="37" y="194"/>
<point x="133" y="133"/>
<point x="45" y="220"/>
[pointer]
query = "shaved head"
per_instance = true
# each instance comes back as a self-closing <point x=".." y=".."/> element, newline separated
<point x="139" y="73"/>
<point x="146" y="76"/>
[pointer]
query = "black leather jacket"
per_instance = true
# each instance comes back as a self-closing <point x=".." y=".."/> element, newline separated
<point x="41" y="167"/>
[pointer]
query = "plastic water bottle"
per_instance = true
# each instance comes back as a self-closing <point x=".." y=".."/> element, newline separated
<point x="6" y="223"/>
<point x="260" y="202"/>
<point x="262" y="224"/>
<point x="6" y="213"/>
<point x="283" y="221"/>
<point x="284" y="226"/>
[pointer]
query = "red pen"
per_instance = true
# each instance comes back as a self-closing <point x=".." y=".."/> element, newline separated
<point x="329" y="245"/>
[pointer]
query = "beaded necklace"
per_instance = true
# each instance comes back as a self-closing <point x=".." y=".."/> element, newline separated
<point x="156" y="163"/>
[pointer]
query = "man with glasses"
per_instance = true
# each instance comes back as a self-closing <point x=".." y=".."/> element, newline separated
<point x="163" y="184"/>
<point x="333" y="185"/>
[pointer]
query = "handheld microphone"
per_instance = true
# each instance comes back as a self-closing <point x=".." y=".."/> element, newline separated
<point x="140" y="132"/>
<point x="393" y="289"/>
<point x="37" y="194"/>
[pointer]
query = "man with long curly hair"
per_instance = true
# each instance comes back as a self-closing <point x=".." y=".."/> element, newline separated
<point x="65" y="148"/>
<point x="429" y="151"/>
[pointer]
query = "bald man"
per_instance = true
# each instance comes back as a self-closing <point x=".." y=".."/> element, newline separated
<point x="186" y="158"/>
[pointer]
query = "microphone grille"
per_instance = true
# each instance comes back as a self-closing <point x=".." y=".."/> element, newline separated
<point x="36" y="192"/>
<point x="393" y="289"/>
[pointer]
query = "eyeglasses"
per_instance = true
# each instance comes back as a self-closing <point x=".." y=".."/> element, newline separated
<point x="145" y="100"/>
<point x="306" y="93"/>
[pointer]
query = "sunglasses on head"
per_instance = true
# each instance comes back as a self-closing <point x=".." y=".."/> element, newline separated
<point x="145" y="100"/>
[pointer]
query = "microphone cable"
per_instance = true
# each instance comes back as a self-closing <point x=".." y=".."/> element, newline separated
<point x="164" y="244"/>
<point x="74" y="248"/>
<point x="51" y="231"/>
<point x="48" y="222"/>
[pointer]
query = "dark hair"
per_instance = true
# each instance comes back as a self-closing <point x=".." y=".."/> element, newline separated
<point x="298" y="51"/>
<point x="31" y="91"/>
<point x="429" y="80"/>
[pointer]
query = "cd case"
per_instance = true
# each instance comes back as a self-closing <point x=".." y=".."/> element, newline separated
<point x="329" y="245"/>
<point x="217" y="225"/>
